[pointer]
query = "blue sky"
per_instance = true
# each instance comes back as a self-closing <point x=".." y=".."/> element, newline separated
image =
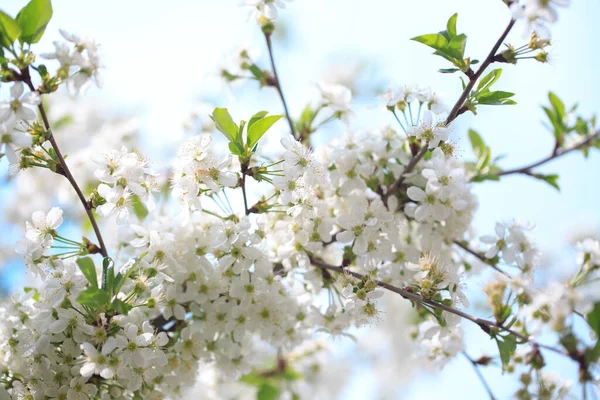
<point x="162" y="57"/>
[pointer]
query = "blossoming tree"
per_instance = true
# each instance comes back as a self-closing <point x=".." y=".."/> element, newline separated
<point x="186" y="280"/>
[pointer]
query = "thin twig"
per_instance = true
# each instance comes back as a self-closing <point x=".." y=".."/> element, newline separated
<point x="244" y="170"/>
<point x="277" y="85"/>
<point x="486" y="325"/>
<point x="480" y="256"/>
<point x="64" y="167"/>
<point x="455" y="112"/>
<point x="480" y="376"/>
<point x="527" y="169"/>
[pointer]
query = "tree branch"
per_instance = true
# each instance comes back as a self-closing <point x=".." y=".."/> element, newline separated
<point x="480" y="256"/>
<point x="486" y="325"/>
<point x="455" y="112"/>
<point x="277" y="85"/>
<point x="526" y="170"/>
<point x="475" y="365"/>
<point x="65" y="168"/>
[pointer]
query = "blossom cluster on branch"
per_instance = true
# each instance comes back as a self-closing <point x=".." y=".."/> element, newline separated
<point x="231" y="249"/>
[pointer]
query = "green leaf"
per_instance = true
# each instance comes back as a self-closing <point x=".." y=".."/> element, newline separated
<point x="485" y="177"/>
<point x="9" y="29"/>
<point x="108" y="274"/>
<point x="87" y="267"/>
<point x="507" y="348"/>
<point x="240" y="141"/>
<point x="33" y="19"/>
<point x="139" y="208"/>
<point x="121" y="307"/>
<point x="256" y="117"/>
<point x="122" y="277"/>
<point x="291" y="374"/>
<point x="36" y="293"/>
<point x="482" y="152"/>
<point x="304" y="123"/>
<point x="93" y="297"/>
<point x="451" y="25"/>
<point x="448" y="70"/>
<point x="557" y="105"/>
<point x="552" y="179"/>
<point x="476" y="143"/>
<point x="593" y="318"/>
<point x="257" y="72"/>
<point x="234" y="148"/>
<point x="581" y="127"/>
<point x="267" y="391"/>
<point x="489" y="79"/>
<point x="456" y="47"/>
<point x="260" y="127"/>
<point x="253" y="378"/>
<point x="495" y="98"/>
<point x="557" y="124"/>
<point x="224" y="123"/>
<point x="433" y="40"/>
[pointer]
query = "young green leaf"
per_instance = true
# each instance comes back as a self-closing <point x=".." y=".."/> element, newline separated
<point x="121" y="307"/>
<point x="477" y="143"/>
<point x="235" y="149"/>
<point x="33" y="19"/>
<point x="224" y="123"/>
<point x="593" y="319"/>
<point x="485" y="177"/>
<point x="448" y="70"/>
<point x="552" y="180"/>
<point x="456" y="47"/>
<point x="267" y="391"/>
<point x="256" y="117"/>
<point x="257" y="72"/>
<point x="93" y="297"/>
<point x="87" y="267"/>
<point x="122" y="276"/>
<point x="433" y="40"/>
<point x="260" y="127"/>
<point x="507" y="348"/>
<point x="108" y="274"/>
<point x="139" y="208"/>
<point x="489" y="80"/>
<point x="9" y="29"/>
<point x="495" y="98"/>
<point x="451" y="25"/>
<point x="557" y="105"/>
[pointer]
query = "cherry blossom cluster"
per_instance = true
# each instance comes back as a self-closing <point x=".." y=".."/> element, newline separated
<point x="80" y="61"/>
<point x="123" y="175"/>
<point x="232" y="248"/>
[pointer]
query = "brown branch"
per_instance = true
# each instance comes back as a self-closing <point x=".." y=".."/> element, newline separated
<point x="64" y="169"/>
<point x="486" y="63"/>
<point x="480" y="256"/>
<point x="486" y="325"/>
<point x="455" y="112"/>
<point x="277" y="84"/>
<point x="485" y="384"/>
<point x="526" y="170"/>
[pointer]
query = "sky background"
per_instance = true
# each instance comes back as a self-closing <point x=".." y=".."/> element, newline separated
<point x="163" y="57"/>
